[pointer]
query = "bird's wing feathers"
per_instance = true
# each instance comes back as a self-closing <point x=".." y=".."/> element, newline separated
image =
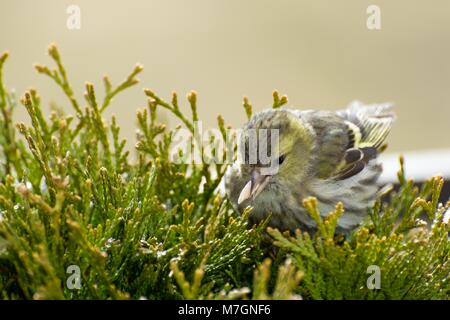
<point x="355" y="160"/>
<point x="371" y="124"/>
<point x="349" y="139"/>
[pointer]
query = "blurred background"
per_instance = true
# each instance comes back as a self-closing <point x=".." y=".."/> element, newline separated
<point x="320" y="53"/>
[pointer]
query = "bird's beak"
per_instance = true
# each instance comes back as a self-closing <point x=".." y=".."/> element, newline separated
<point x="256" y="184"/>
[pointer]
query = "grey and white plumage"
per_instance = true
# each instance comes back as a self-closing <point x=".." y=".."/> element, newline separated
<point x="328" y="155"/>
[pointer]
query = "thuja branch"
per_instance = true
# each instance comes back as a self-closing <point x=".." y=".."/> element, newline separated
<point x="3" y="58"/>
<point x="173" y="107"/>
<point x="9" y="145"/>
<point x="128" y="82"/>
<point x="59" y="76"/>
<point x="277" y="101"/>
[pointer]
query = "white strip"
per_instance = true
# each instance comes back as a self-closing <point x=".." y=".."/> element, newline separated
<point x="419" y="165"/>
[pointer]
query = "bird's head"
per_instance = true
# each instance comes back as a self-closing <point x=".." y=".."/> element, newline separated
<point x="275" y="146"/>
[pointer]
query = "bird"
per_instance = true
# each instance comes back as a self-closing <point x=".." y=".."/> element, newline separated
<point x="332" y="156"/>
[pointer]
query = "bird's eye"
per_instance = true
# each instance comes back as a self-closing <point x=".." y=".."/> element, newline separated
<point x="281" y="159"/>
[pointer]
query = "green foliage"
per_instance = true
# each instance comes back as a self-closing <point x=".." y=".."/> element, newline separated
<point x="152" y="228"/>
<point x="413" y="259"/>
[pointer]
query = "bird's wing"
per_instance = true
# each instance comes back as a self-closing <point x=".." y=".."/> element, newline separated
<point x="347" y="140"/>
<point x="368" y="128"/>
<point x="370" y="124"/>
<point x="355" y="160"/>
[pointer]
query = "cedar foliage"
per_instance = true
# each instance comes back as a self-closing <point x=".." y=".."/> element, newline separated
<point x="151" y="228"/>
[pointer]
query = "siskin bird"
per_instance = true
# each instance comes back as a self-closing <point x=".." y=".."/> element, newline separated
<point x="328" y="155"/>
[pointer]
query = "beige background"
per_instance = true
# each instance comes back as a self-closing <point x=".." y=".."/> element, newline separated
<point x="319" y="53"/>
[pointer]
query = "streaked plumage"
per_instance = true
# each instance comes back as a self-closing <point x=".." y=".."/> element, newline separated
<point x="329" y="155"/>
